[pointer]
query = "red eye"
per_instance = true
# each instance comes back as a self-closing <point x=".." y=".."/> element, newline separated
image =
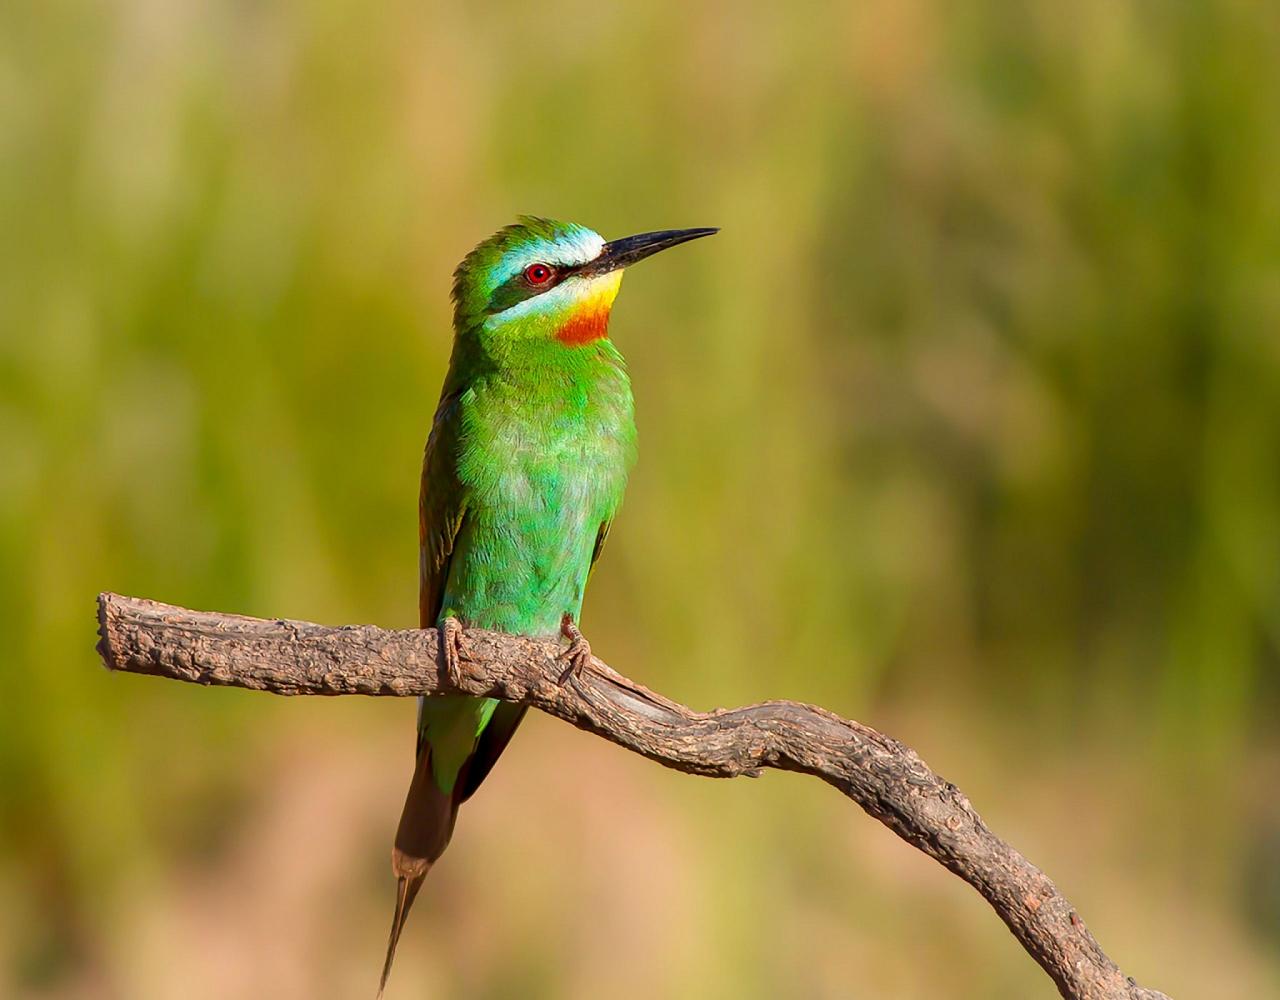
<point x="537" y="274"/>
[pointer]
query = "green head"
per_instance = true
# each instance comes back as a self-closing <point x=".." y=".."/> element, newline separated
<point x="542" y="279"/>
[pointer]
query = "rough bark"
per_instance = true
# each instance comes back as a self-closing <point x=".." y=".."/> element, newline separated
<point x="887" y="779"/>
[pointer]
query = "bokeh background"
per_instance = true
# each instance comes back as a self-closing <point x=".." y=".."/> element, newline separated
<point x="967" y="425"/>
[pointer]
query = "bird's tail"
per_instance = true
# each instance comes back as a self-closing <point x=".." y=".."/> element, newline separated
<point x="425" y="828"/>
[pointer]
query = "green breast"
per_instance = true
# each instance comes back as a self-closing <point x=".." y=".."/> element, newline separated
<point x="545" y="451"/>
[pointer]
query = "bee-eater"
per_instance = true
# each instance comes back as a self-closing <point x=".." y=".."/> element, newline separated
<point x="524" y="470"/>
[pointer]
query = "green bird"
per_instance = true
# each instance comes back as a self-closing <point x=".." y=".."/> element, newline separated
<point x="524" y="470"/>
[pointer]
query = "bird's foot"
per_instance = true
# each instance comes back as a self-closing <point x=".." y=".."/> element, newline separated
<point x="578" y="655"/>
<point x="452" y="648"/>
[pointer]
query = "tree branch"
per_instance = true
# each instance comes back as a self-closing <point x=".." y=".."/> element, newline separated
<point x="887" y="779"/>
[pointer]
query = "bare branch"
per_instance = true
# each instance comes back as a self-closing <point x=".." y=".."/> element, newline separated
<point x="887" y="779"/>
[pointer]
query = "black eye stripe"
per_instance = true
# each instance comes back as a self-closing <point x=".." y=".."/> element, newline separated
<point x="517" y="288"/>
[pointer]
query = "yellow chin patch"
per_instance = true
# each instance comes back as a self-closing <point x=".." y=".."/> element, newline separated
<point x="600" y="292"/>
<point x="588" y="318"/>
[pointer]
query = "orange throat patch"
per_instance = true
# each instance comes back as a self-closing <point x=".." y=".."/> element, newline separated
<point x="588" y="319"/>
<point x="585" y="325"/>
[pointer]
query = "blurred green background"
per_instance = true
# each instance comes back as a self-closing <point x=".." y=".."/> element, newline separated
<point x="967" y="425"/>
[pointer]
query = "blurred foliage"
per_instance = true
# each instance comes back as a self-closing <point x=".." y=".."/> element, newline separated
<point x="968" y="424"/>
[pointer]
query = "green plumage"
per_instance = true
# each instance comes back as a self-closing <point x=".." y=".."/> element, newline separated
<point x="524" y="471"/>
<point x="525" y="467"/>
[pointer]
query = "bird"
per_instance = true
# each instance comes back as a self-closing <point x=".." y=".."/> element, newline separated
<point x="524" y="470"/>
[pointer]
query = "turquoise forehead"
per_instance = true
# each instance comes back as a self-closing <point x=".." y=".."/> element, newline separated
<point x="570" y="242"/>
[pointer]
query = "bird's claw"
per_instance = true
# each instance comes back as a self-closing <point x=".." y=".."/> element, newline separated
<point x="452" y="648"/>
<point x="578" y="655"/>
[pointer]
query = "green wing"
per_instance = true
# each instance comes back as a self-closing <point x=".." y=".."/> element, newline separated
<point x="441" y="509"/>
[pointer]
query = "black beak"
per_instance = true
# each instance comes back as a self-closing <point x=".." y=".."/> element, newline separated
<point x="619" y="253"/>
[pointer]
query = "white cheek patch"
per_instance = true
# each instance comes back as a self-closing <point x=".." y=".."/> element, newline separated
<point x="556" y="300"/>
